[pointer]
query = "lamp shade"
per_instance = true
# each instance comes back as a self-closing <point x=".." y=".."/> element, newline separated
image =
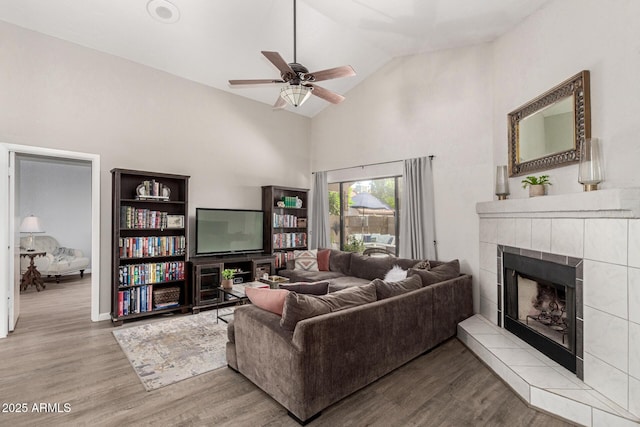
<point x="295" y="95"/>
<point x="31" y="224"/>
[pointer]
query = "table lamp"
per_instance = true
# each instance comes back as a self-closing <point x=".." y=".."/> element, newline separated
<point x="31" y="224"/>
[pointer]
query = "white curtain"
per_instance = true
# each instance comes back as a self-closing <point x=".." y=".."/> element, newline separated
<point x="417" y="224"/>
<point x="320" y="212"/>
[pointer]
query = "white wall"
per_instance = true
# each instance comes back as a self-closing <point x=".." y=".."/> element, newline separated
<point x="59" y="193"/>
<point x="430" y="104"/>
<point x="59" y="95"/>
<point x="556" y="43"/>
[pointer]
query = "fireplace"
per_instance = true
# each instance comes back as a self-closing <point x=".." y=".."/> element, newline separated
<point x="540" y="305"/>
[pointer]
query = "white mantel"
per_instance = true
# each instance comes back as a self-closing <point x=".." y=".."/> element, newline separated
<point x="615" y="203"/>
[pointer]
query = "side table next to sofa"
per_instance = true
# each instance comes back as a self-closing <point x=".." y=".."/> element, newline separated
<point x="32" y="276"/>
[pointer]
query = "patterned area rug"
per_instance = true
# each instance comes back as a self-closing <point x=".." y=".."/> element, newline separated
<point x="172" y="350"/>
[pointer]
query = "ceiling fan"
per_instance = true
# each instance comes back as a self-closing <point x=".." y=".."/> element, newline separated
<point x="300" y="80"/>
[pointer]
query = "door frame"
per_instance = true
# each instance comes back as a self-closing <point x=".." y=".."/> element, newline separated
<point x="6" y="254"/>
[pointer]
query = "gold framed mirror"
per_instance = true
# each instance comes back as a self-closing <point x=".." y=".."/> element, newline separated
<point x="546" y="132"/>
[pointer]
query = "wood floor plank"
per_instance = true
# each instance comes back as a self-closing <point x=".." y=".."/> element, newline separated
<point x="57" y="355"/>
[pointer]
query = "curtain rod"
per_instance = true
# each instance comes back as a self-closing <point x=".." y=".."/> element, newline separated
<point x="431" y="156"/>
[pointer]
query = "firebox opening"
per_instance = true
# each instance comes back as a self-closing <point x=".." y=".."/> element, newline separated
<point x="540" y="306"/>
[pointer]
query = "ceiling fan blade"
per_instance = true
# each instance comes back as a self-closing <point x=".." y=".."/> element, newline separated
<point x="254" y="82"/>
<point x="280" y="103"/>
<point x="327" y="95"/>
<point x="280" y="63"/>
<point x="332" y="73"/>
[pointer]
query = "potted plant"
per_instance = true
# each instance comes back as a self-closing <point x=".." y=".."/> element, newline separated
<point x="537" y="185"/>
<point x="353" y="245"/>
<point x="227" y="278"/>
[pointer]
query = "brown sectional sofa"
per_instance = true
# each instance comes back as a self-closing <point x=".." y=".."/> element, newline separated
<point x="350" y="269"/>
<point x="328" y="357"/>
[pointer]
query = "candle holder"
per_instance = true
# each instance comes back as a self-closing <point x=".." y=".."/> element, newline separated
<point x="502" y="182"/>
<point x="590" y="169"/>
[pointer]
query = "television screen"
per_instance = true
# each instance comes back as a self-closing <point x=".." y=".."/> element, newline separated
<point x="226" y="231"/>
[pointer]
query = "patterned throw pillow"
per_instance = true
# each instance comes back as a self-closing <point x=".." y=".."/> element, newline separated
<point x="423" y="265"/>
<point x="306" y="260"/>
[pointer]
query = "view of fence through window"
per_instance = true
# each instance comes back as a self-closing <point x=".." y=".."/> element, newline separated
<point x="363" y="214"/>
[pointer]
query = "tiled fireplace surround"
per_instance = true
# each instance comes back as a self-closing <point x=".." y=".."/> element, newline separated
<point x="602" y="229"/>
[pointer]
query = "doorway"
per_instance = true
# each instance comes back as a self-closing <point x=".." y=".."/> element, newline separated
<point x="9" y="238"/>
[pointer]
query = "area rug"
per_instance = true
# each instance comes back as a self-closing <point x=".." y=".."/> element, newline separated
<point x="167" y="351"/>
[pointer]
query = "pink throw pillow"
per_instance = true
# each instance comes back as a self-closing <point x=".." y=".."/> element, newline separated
<point x="323" y="259"/>
<point x="267" y="299"/>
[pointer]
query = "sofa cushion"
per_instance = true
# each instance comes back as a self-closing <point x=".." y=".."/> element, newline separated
<point x="445" y="271"/>
<point x="308" y="288"/>
<point x="323" y="259"/>
<point x="367" y="267"/>
<point x="306" y="260"/>
<point x="344" y="282"/>
<point x="340" y="261"/>
<point x="309" y="276"/>
<point x="267" y="299"/>
<point x="298" y="307"/>
<point x="391" y="289"/>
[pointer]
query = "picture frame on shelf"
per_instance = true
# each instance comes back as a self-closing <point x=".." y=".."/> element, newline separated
<point x="175" y="221"/>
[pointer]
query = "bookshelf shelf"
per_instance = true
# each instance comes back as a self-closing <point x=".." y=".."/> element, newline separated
<point x="149" y="259"/>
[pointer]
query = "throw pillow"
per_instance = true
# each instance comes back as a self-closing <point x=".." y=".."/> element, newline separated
<point x="386" y="290"/>
<point x="307" y="288"/>
<point x="267" y="299"/>
<point x="395" y="274"/>
<point x="298" y="307"/>
<point x="323" y="259"/>
<point x="446" y="271"/>
<point x="306" y="260"/>
<point x="423" y="265"/>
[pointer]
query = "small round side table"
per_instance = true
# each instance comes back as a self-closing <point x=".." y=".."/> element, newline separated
<point x="32" y="275"/>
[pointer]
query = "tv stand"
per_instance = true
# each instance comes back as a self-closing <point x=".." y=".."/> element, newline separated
<point x="206" y="275"/>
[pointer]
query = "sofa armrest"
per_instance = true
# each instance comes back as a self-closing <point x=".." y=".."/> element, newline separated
<point x="452" y="303"/>
<point x="265" y="354"/>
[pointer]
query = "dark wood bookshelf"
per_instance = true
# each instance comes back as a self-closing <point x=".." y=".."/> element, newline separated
<point x="274" y="232"/>
<point x="125" y="184"/>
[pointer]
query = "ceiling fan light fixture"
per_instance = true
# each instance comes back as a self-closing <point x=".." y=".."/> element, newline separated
<point x="163" y="11"/>
<point x="296" y="95"/>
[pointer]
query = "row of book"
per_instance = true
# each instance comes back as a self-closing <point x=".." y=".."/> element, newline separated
<point x="290" y="202"/>
<point x="131" y="217"/>
<point x="153" y="272"/>
<point x="289" y="240"/>
<point x="138" y="247"/>
<point x="154" y="188"/>
<point x="282" y="258"/>
<point x="285" y="220"/>
<point x="136" y="300"/>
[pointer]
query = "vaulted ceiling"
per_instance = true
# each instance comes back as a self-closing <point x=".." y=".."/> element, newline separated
<point x="213" y="41"/>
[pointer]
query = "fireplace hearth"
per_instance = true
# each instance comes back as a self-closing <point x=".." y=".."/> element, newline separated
<point x="540" y="306"/>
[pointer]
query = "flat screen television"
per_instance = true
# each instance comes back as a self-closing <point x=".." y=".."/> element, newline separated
<point x="228" y="231"/>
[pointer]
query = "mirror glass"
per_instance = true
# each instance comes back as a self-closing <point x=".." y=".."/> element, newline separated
<point x="546" y="132"/>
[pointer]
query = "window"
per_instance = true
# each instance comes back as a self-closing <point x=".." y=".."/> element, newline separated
<point x="364" y="214"/>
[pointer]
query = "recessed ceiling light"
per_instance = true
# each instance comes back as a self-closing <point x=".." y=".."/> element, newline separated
<point x="163" y="11"/>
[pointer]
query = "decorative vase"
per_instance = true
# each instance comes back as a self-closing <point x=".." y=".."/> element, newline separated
<point x="227" y="283"/>
<point x="502" y="182"/>
<point x="536" y="190"/>
<point x="590" y="169"/>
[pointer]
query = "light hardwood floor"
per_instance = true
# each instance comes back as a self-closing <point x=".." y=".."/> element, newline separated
<point x="57" y="355"/>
